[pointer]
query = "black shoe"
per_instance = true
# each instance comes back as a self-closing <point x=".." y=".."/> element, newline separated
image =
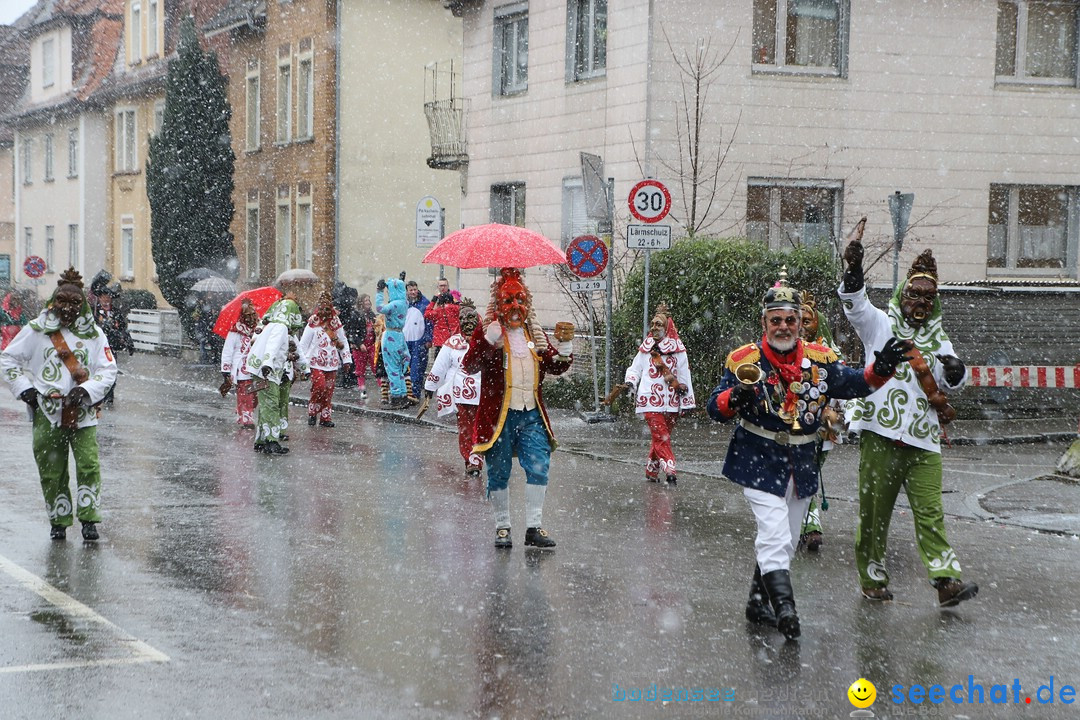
<point x="311" y="419"/>
<point x="757" y="607"/>
<point x="952" y="591"/>
<point x="812" y="541"/>
<point x="671" y="480"/>
<point x="326" y="423"/>
<point x="503" y="539"/>
<point x="397" y="402"/>
<point x="778" y="584"/>
<point x="283" y="437"/>
<point x="473" y="472"/>
<point x="273" y="448"/>
<point x="538" y="537"/>
<point x="58" y="532"/>
<point x="89" y="532"/>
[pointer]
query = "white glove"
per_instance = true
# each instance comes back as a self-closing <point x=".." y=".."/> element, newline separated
<point x="494" y="333"/>
<point x="565" y="348"/>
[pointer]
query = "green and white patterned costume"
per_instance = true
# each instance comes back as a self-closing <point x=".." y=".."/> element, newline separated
<point x="900" y="441"/>
<point x="31" y="361"/>
<point x="270" y="349"/>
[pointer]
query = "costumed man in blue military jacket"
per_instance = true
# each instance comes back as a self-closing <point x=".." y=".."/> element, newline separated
<point x="778" y="388"/>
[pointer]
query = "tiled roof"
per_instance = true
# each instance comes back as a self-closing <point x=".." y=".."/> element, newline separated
<point x="105" y="41"/>
<point x="235" y="12"/>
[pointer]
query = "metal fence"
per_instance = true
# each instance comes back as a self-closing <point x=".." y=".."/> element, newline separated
<point x="156" y="331"/>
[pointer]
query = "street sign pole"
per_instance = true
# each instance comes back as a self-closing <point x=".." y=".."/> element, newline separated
<point x="645" y="305"/>
<point x="900" y="212"/>
<point x="610" y="275"/>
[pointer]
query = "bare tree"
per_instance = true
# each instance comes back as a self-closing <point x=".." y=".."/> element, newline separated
<point x="698" y="163"/>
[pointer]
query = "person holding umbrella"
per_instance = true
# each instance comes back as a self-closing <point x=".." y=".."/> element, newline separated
<point x="233" y="358"/>
<point x="513" y="354"/>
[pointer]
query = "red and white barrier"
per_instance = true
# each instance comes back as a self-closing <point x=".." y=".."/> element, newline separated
<point x="1033" y="376"/>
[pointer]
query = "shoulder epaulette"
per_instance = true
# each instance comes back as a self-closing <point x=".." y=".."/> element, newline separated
<point x="748" y="353"/>
<point x="819" y="353"/>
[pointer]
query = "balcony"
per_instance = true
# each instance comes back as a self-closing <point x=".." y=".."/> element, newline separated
<point x="445" y="111"/>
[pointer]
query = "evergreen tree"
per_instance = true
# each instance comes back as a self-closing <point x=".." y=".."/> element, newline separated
<point x="189" y="174"/>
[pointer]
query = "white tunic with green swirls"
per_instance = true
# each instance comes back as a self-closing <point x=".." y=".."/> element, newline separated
<point x="899" y="409"/>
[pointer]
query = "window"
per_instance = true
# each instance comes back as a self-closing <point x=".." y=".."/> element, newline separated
<point x="511" y="52"/>
<point x="5" y="269"/>
<point x="574" y="219"/>
<point x="159" y="116"/>
<point x="1036" y="42"/>
<point x="1033" y="228"/>
<point x="305" y="94"/>
<point x="251" y="236"/>
<point x="786" y="213"/>
<point x="151" y="28"/>
<point x="252" y="107"/>
<point x="28" y="242"/>
<point x="508" y="204"/>
<point x="73" y="152"/>
<point x="801" y="36"/>
<point x="282" y="227"/>
<point x="125" y="141"/>
<point x="48" y="63"/>
<point x="73" y="246"/>
<point x="48" y="176"/>
<point x="50" y="248"/>
<point x="27" y="161"/>
<point x="127" y="247"/>
<point x="303" y="231"/>
<point x="284" y="93"/>
<point x="586" y="25"/>
<point x="136" y="32"/>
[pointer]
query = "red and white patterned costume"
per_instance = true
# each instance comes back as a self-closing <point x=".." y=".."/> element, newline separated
<point x="233" y="356"/>
<point x="326" y="357"/>
<point x="456" y="391"/>
<point x="656" y="398"/>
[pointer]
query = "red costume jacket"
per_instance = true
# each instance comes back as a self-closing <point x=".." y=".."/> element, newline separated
<point x="444" y="321"/>
<point x="491" y="360"/>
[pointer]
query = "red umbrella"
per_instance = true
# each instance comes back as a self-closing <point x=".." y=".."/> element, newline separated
<point x="494" y="246"/>
<point x="262" y="297"/>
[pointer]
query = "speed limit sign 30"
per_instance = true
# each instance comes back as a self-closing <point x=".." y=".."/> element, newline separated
<point x="649" y="201"/>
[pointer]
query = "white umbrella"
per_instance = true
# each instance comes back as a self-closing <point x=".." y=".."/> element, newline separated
<point x="214" y="285"/>
<point x="297" y="275"/>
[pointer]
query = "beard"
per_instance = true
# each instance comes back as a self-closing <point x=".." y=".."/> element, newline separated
<point x="783" y="346"/>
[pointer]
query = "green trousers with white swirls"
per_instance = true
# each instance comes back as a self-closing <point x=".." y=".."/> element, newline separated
<point x="883" y="469"/>
<point x="51" y="455"/>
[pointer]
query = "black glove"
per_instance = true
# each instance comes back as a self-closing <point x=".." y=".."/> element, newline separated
<point x="429" y="394"/>
<point x="402" y="275"/>
<point x="381" y="285"/>
<point x="30" y="397"/>
<point x="76" y="396"/>
<point x="888" y="357"/>
<point x="853" y="275"/>
<point x="741" y="396"/>
<point x="131" y="349"/>
<point x="954" y="369"/>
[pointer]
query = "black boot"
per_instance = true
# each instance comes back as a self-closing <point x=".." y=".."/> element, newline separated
<point x="778" y="585"/>
<point x="757" y="607"/>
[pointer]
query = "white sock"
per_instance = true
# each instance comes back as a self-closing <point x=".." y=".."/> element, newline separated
<point x="534" y="504"/>
<point x="500" y="503"/>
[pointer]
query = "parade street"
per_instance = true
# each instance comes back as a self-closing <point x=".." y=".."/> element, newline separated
<point x="355" y="577"/>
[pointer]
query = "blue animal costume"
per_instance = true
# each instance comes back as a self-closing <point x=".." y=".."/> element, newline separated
<point x="395" y="352"/>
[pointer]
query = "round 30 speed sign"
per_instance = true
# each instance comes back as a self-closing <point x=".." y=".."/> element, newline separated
<point x="649" y="201"/>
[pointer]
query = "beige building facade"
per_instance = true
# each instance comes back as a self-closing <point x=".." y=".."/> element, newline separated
<point x="819" y="111"/>
<point x="394" y="58"/>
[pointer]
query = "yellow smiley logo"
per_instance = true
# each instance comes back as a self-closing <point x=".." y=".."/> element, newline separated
<point x="862" y="693"/>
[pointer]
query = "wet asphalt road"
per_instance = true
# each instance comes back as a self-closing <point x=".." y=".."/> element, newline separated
<point x="355" y="578"/>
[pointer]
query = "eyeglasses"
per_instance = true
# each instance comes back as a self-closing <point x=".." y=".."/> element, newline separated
<point x="792" y="320"/>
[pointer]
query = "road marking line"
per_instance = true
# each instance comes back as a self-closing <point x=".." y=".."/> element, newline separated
<point x="76" y="610"/>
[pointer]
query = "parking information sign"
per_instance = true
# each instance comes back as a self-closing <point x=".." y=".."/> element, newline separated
<point x="429" y="223"/>
<point x="648" y="237"/>
<point x="649" y="201"/>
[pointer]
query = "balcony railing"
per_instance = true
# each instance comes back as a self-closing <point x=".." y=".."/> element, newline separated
<point x="446" y="114"/>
